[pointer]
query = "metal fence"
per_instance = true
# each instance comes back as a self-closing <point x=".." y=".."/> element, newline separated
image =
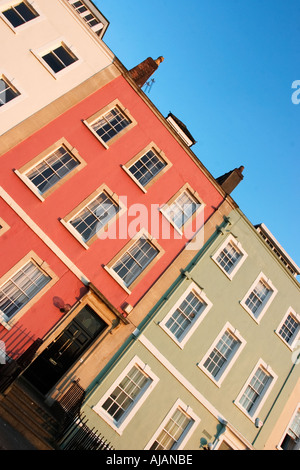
<point x="75" y="432"/>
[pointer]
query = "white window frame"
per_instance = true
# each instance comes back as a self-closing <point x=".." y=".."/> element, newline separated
<point x="195" y="324"/>
<point x="136" y="405"/>
<point x="296" y="336"/>
<point x="128" y="246"/>
<point x="39" y="53"/>
<point x="236" y="244"/>
<point x="21" y="95"/>
<point x="159" y="154"/>
<point x="258" y="406"/>
<point x="44" y="268"/>
<point x="297" y="410"/>
<point x="232" y="358"/>
<point x="20" y="28"/>
<point x="195" y="420"/>
<point x="66" y="221"/>
<point x="273" y="291"/>
<point x="22" y="172"/>
<point x="190" y="193"/>
<point x="89" y="122"/>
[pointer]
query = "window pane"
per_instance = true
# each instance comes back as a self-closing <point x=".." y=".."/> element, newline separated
<point x="255" y="389"/>
<point x="126" y="393"/>
<point x="110" y="124"/>
<point x="229" y="257"/>
<point x="185" y="315"/>
<point x="257" y="297"/>
<point x="172" y="431"/>
<point x="25" y="12"/>
<point x="19" y="14"/>
<point x="95" y="216"/>
<point x="59" y="59"/>
<point x="54" y="63"/>
<point x="147" y="167"/>
<point x="6" y="92"/>
<point x="221" y="354"/>
<point x="65" y="56"/>
<point x="135" y="260"/>
<point x="48" y="172"/>
<point x="289" y="328"/>
<point x="182" y="209"/>
<point x="22" y="287"/>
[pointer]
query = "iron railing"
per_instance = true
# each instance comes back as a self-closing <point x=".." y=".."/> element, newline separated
<point x="75" y="433"/>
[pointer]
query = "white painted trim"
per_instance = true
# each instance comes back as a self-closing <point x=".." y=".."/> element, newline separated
<point x="134" y="179"/>
<point x="237" y="244"/>
<point x="16" y="84"/>
<point x="19" y="29"/>
<point x="74" y="233"/>
<point x="195" y="420"/>
<point x="135" y="406"/>
<point x="29" y="185"/>
<point x="266" y="305"/>
<point x="117" y="278"/>
<point x="231" y="360"/>
<point x="50" y="47"/>
<point x="290" y="311"/>
<point x="254" y="413"/>
<point x="39" y="232"/>
<point x="178" y="376"/>
<point x="95" y="134"/>
<point x="193" y="326"/>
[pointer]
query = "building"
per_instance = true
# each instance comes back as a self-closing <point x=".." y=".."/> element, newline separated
<point x="106" y="190"/>
<point x="214" y="364"/>
<point x="50" y="48"/>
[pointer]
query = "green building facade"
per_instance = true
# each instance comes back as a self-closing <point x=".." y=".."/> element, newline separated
<point x="214" y="364"/>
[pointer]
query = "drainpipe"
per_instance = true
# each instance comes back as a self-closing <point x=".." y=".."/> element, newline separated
<point x="277" y="397"/>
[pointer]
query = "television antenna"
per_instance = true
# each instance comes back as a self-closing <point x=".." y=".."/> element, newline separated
<point x="148" y="85"/>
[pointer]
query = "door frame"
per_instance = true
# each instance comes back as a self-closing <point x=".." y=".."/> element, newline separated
<point x="106" y="312"/>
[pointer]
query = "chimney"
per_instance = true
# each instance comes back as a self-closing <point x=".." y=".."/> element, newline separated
<point x="142" y="72"/>
<point x="230" y="180"/>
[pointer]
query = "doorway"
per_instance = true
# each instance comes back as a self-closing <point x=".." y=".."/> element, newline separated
<point x="65" y="350"/>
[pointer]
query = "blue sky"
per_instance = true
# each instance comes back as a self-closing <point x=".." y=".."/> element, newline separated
<point x="228" y="73"/>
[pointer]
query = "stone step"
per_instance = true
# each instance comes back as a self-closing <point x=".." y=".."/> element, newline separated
<point x="24" y="428"/>
<point x="29" y="415"/>
<point x="30" y="407"/>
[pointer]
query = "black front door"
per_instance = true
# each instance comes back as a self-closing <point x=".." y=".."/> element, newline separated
<point x="62" y="353"/>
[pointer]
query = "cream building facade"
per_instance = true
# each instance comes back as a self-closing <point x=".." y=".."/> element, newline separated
<point x="50" y="48"/>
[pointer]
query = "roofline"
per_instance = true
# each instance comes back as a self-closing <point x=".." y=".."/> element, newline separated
<point x="283" y="252"/>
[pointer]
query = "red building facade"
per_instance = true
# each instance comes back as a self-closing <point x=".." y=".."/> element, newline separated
<point x="108" y="196"/>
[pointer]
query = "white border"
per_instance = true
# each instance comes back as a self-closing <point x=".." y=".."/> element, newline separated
<point x="167" y="205"/>
<point x="89" y="126"/>
<point x="134" y="407"/>
<point x="61" y="41"/>
<point x="194" y="325"/>
<point x="290" y="311"/>
<point x="257" y="407"/>
<point x="266" y="303"/>
<point x="195" y="420"/>
<point x="231" y="239"/>
<point x="15" y="83"/>
<point x="19" y="29"/>
<point x="232" y="358"/>
<point x="111" y="271"/>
